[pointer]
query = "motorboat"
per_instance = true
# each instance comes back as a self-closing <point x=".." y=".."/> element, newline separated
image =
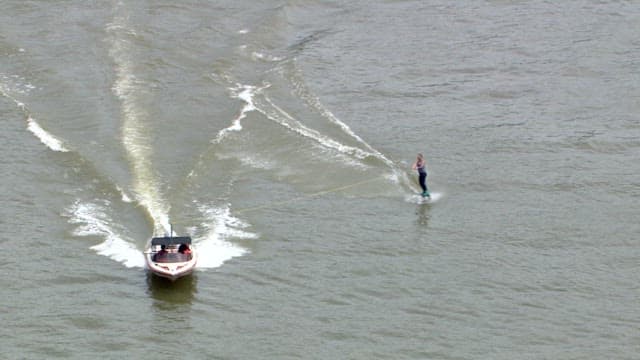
<point x="171" y="257"/>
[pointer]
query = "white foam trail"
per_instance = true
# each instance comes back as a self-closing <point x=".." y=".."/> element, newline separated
<point x="46" y="138"/>
<point x="134" y="134"/>
<point x="256" y="55"/>
<point x="256" y="100"/>
<point x="123" y="195"/>
<point x="214" y="248"/>
<point x="314" y="102"/>
<point x="91" y="220"/>
<point x="14" y="84"/>
<point x="246" y="93"/>
<point x="251" y="161"/>
<point x="283" y="118"/>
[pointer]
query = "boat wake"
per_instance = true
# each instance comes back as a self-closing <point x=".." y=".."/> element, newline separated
<point x="257" y="98"/>
<point x="218" y="226"/>
<point x="7" y="87"/>
<point x="100" y="218"/>
<point x="211" y="238"/>
<point x="246" y="93"/>
<point x="92" y="220"/>
<point x="303" y="92"/>
<point x="134" y="121"/>
<point x="214" y="226"/>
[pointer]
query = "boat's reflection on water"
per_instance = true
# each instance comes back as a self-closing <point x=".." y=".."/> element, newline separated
<point x="169" y="294"/>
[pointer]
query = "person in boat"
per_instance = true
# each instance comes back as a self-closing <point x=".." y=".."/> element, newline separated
<point x="184" y="249"/>
<point x="421" y="166"/>
<point x="162" y="253"/>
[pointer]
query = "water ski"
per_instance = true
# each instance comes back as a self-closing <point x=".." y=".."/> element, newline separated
<point x="420" y="199"/>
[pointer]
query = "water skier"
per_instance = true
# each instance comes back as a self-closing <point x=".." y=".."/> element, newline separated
<point x="421" y="166"/>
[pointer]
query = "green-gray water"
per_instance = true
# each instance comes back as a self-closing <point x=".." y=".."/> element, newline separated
<point x="280" y="136"/>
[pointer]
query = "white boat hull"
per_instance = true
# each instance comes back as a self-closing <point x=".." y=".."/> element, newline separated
<point x="171" y="257"/>
<point x="171" y="270"/>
